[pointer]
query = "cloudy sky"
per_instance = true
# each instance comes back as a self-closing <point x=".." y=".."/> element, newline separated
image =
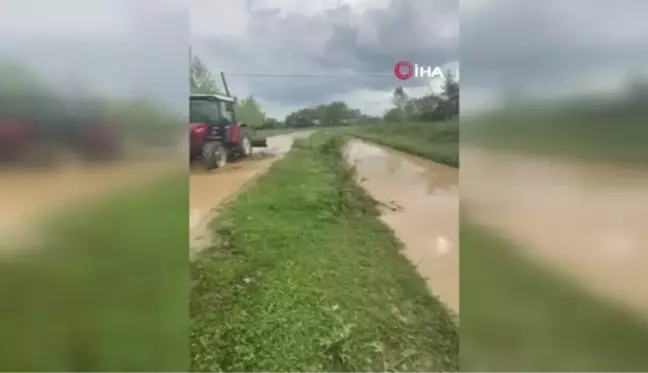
<point x="128" y="47"/>
<point x="293" y="53"/>
<point x="549" y="47"/>
<point x="117" y="47"/>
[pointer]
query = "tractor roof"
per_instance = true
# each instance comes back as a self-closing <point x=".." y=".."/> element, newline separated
<point x="213" y="96"/>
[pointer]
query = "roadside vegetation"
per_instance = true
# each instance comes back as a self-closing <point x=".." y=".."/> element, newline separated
<point x="608" y="128"/>
<point x="305" y="277"/>
<point x="437" y="141"/>
<point x="522" y="316"/>
<point x="426" y="126"/>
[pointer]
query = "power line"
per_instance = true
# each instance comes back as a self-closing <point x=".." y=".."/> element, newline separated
<point x="310" y="75"/>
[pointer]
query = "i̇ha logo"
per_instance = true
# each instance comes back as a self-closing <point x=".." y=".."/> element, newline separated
<point x="405" y="70"/>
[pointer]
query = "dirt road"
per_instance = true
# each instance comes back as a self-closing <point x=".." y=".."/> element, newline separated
<point x="26" y="196"/>
<point x="209" y="190"/>
<point x="421" y="206"/>
<point x="586" y="220"/>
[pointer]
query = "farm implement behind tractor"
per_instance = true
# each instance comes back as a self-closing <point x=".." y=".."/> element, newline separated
<point x="215" y="135"/>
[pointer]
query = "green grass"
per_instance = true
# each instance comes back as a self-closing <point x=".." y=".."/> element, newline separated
<point x="108" y="293"/>
<point x="618" y="139"/>
<point x="305" y="277"/>
<point x="517" y="316"/>
<point x="437" y="141"/>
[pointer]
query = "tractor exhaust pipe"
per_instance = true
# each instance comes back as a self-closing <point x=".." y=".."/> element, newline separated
<point x="255" y="141"/>
<point x="227" y="92"/>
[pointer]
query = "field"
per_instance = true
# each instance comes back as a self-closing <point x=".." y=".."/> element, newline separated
<point x="110" y="290"/>
<point x="437" y="141"/>
<point x="304" y="277"/>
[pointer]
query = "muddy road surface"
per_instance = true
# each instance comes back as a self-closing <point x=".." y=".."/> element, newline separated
<point x="208" y="190"/>
<point x="26" y="195"/>
<point x="587" y="221"/>
<point x="421" y="205"/>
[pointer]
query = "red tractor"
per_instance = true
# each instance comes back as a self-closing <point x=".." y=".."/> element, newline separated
<point x="37" y="129"/>
<point x="215" y="136"/>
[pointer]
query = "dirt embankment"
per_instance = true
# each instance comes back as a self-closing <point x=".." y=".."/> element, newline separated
<point x="421" y="205"/>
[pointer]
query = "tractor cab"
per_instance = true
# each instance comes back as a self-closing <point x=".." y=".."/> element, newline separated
<point x="211" y="116"/>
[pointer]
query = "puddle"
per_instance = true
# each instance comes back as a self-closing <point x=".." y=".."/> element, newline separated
<point x="208" y="190"/>
<point x="422" y="208"/>
<point x="585" y="220"/>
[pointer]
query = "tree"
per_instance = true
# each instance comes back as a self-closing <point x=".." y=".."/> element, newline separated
<point x="400" y="99"/>
<point x="338" y="113"/>
<point x="431" y="107"/>
<point x="201" y="79"/>
<point x="249" y="111"/>
<point x="335" y="113"/>
<point x="393" y="115"/>
<point x="450" y="95"/>
<point x="271" y="123"/>
<point x="18" y="79"/>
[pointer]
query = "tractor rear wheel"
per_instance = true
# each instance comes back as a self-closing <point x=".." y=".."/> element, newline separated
<point x="214" y="155"/>
<point x="244" y="146"/>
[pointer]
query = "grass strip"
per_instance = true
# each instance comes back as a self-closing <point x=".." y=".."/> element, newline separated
<point x="436" y="141"/>
<point x="618" y="140"/>
<point x="305" y="277"/>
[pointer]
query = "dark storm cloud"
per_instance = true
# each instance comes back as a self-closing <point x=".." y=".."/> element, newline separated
<point x="347" y="51"/>
<point x="522" y="44"/>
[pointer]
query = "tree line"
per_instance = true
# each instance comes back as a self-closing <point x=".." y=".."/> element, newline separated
<point x="430" y="107"/>
<point x="336" y="113"/>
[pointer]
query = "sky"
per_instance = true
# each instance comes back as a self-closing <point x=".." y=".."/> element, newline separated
<point x="549" y="48"/>
<point x="114" y="47"/>
<point x="124" y="47"/>
<point x="347" y="48"/>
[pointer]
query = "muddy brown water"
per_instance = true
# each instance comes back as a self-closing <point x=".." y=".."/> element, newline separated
<point x="208" y="190"/>
<point x="585" y="220"/>
<point x="421" y="203"/>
